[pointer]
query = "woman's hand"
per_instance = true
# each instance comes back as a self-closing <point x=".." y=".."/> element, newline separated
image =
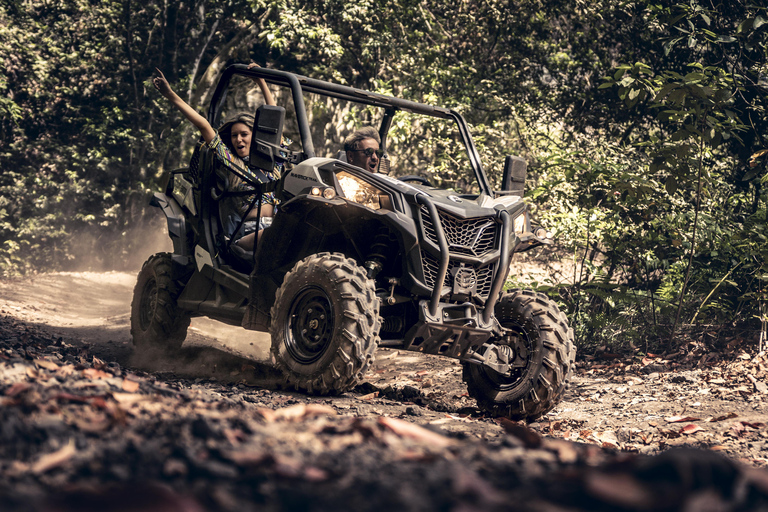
<point x="268" y="98"/>
<point x="162" y="85"/>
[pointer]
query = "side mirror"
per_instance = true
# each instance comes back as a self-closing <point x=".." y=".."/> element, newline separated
<point x="515" y="172"/>
<point x="266" y="137"/>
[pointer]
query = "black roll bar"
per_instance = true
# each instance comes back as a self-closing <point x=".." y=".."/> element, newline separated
<point x="302" y="84"/>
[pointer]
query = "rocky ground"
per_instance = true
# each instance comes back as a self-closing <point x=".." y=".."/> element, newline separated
<point x="86" y="423"/>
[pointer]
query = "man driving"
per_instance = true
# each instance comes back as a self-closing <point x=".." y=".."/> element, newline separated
<point x="362" y="148"/>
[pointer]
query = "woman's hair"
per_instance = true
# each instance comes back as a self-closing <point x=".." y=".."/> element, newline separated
<point x="225" y="131"/>
<point x="366" y="132"/>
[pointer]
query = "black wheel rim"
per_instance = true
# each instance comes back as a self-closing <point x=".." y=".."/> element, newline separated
<point x="309" y="326"/>
<point x="148" y="304"/>
<point x="520" y="340"/>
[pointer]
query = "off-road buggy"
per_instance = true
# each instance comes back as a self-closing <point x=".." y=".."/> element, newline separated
<point x="356" y="260"/>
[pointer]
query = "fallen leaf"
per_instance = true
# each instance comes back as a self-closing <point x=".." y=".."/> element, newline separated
<point x="725" y="416"/>
<point x="247" y="457"/>
<point x="679" y="419"/>
<point x="48" y="365"/>
<point x="55" y="459"/>
<point x="690" y="429"/>
<point x="607" y="439"/>
<point x="759" y="385"/>
<point x="566" y="451"/>
<point x="411" y="431"/>
<point x="298" y="412"/>
<point x="17" y="388"/>
<point x="93" y="373"/>
<point x="370" y="396"/>
<point x="130" y="386"/>
<point x="619" y="489"/>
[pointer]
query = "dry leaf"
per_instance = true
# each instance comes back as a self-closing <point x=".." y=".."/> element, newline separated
<point x="92" y="373"/>
<point x="48" y="365"/>
<point x="566" y="451"/>
<point x="370" y="396"/>
<point x="680" y="419"/>
<point x="690" y="429"/>
<point x="607" y="439"/>
<point x="411" y="431"/>
<point x="725" y="416"/>
<point x="530" y="438"/>
<point x="55" y="459"/>
<point x="297" y="412"/>
<point x="17" y="388"/>
<point x="130" y="386"/>
<point x="619" y="489"/>
<point x="759" y="385"/>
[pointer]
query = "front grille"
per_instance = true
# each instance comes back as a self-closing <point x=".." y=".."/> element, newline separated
<point x="466" y="237"/>
<point x="470" y="237"/>
<point x="431" y="267"/>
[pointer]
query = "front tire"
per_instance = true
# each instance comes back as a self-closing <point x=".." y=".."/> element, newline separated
<point x="156" y="319"/>
<point x="325" y="324"/>
<point x="544" y="355"/>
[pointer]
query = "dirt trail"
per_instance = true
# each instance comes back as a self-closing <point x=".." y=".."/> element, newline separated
<point x="624" y="405"/>
<point x="65" y="334"/>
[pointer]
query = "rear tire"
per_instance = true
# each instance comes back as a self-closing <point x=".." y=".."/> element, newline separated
<point x="325" y="324"/>
<point x="156" y="319"/>
<point x="544" y="348"/>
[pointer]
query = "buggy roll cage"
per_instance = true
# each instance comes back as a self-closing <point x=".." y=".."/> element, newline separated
<point x="300" y="84"/>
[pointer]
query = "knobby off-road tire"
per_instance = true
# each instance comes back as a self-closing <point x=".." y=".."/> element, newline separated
<point x="545" y="344"/>
<point x="325" y="324"/>
<point x="156" y="320"/>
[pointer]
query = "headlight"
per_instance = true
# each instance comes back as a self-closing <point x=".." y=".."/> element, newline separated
<point x="519" y="224"/>
<point x="360" y="191"/>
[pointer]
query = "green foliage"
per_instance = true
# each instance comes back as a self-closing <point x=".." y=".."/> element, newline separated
<point x="644" y="125"/>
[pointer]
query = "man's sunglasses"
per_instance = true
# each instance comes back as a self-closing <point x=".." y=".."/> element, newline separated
<point x="369" y="152"/>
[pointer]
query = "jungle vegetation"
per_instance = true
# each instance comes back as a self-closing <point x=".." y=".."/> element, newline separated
<point x="643" y="122"/>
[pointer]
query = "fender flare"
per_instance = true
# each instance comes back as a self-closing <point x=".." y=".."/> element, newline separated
<point x="177" y="225"/>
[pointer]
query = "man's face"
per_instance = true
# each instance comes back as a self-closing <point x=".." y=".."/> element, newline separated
<point x="359" y="157"/>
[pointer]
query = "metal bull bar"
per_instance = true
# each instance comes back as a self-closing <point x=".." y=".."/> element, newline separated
<point x="456" y="330"/>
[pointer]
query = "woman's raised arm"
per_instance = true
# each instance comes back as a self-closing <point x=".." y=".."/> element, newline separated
<point x="201" y="123"/>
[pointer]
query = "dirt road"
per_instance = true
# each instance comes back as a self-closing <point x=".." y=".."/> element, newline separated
<point x="695" y="398"/>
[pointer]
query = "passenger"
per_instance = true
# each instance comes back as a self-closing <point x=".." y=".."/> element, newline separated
<point x="362" y="148"/>
<point x="232" y="146"/>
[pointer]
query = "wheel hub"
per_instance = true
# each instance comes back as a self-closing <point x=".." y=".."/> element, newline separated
<point x="309" y="328"/>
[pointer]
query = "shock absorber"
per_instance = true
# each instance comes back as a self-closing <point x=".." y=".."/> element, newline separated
<point x="374" y="263"/>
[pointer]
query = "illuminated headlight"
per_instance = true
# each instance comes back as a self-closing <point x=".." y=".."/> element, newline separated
<point x="327" y="193"/>
<point x="360" y="191"/>
<point x="519" y="224"/>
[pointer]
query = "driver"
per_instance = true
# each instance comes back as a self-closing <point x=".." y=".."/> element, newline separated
<point x="362" y="148"/>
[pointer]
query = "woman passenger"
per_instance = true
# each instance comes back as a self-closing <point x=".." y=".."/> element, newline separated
<point x="232" y="146"/>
